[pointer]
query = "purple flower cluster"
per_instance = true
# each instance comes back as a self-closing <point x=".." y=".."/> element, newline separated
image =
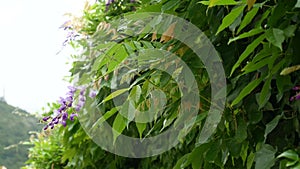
<point x="66" y="105"/>
<point x="297" y="96"/>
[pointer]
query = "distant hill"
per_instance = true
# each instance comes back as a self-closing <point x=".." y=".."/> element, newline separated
<point x="15" y="125"/>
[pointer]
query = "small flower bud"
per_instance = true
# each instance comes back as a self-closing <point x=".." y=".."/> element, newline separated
<point x="72" y="116"/>
<point x="46" y="118"/>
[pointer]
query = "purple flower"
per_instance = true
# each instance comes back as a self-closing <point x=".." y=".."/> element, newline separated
<point x="69" y="99"/>
<point x="64" y="123"/>
<point x="46" y="118"/>
<point x="62" y="108"/>
<point x="93" y="94"/>
<point x="72" y="116"/>
<point x="80" y="103"/>
<point x="46" y="127"/>
<point x="77" y="108"/>
<point x="70" y="104"/>
<point x="61" y="114"/>
<point x="56" y="112"/>
<point x="82" y="91"/>
<point x="297" y="97"/>
<point x="62" y="101"/>
<point x="64" y="116"/>
<point x="72" y="89"/>
<point x="55" y="120"/>
<point x="296" y="88"/>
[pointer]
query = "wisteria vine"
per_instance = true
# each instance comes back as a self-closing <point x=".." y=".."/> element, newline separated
<point x="67" y="105"/>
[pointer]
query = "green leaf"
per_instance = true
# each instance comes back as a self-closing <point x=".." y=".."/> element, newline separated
<point x="212" y="3"/>
<point x="115" y="94"/>
<point x="212" y="152"/>
<point x="196" y="156"/>
<point x="247" y="90"/>
<point x="241" y="132"/>
<point x="68" y="154"/>
<point x="250" y="48"/>
<point x="276" y="37"/>
<point x="230" y="18"/>
<point x="281" y="83"/>
<point x="250" y="160"/>
<point x="275" y="69"/>
<point x="289" y="70"/>
<point x="289" y="154"/>
<point x="119" y="55"/>
<point x="105" y="58"/>
<point x="290" y="31"/>
<point x="265" y="157"/>
<point x="106" y="116"/>
<point x="297" y="166"/>
<point x="271" y="125"/>
<point x="236" y="23"/>
<point x="252" y="66"/>
<point x="135" y="94"/>
<point x="182" y="162"/>
<point x="244" y="152"/>
<point x="234" y="147"/>
<point x="297" y="4"/>
<point x="170" y="4"/>
<point x="252" y="32"/>
<point x="248" y="18"/>
<point x="265" y="52"/>
<point x="265" y="93"/>
<point x="141" y="128"/>
<point x="119" y="125"/>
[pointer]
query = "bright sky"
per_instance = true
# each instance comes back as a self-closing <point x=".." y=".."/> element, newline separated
<point x="30" y="71"/>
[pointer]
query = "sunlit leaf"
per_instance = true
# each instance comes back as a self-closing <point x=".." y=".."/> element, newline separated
<point x="115" y="94"/>
<point x="119" y="125"/>
<point x="297" y="4"/>
<point x="289" y="70"/>
<point x="250" y="160"/>
<point x="250" y="48"/>
<point x="248" y="18"/>
<point x="212" y="3"/>
<point x="252" y="32"/>
<point x="289" y="154"/>
<point x="230" y="18"/>
<point x="141" y="128"/>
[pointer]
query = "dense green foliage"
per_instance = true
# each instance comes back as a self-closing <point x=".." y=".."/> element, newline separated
<point x="15" y="125"/>
<point x="259" y="46"/>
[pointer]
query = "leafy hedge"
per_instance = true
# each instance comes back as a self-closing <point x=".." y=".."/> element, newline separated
<point x="258" y="43"/>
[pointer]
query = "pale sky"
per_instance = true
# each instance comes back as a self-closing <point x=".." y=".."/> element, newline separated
<point x="30" y="71"/>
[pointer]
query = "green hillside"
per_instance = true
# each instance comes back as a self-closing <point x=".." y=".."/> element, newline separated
<point x="15" y="125"/>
